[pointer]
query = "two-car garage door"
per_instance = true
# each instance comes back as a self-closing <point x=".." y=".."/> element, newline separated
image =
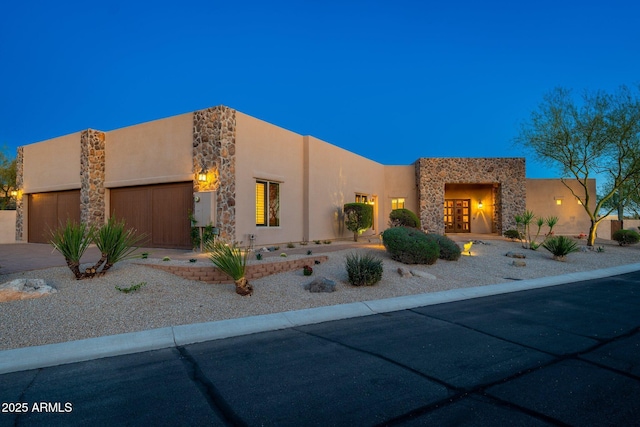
<point x="159" y="211"/>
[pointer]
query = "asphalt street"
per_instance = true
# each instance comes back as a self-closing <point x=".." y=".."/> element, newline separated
<point x="562" y="355"/>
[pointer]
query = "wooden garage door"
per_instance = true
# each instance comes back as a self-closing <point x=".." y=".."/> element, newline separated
<point x="49" y="210"/>
<point x="159" y="211"/>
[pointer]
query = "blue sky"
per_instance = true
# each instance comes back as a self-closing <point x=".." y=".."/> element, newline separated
<point x="391" y="81"/>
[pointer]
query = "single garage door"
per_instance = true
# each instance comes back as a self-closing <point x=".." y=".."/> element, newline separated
<point x="47" y="211"/>
<point x="159" y="211"/>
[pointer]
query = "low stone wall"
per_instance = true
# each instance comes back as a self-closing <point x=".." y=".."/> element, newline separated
<point x="254" y="271"/>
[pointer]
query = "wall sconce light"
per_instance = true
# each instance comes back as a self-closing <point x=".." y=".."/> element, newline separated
<point x="579" y="201"/>
<point x="558" y="200"/>
<point x="202" y="176"/>
<point x="480" y="205"/>
<point x="14" y="193"/>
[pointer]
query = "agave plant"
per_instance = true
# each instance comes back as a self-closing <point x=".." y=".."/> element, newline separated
<point x="116" y="243"/>
<point x="560" y="247"/>
<point x="232" y="261"/>
<point x="72" y="240"/>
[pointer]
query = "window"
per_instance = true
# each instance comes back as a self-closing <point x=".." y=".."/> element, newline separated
<point x="267" y="204"/>
<point x="397" y="203"/>
<point x="361" y="198"/>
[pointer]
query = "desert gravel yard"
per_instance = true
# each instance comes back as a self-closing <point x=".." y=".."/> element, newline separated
<point x="94" y="307"/>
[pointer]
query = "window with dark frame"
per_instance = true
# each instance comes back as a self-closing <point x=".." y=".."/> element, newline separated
<point x="267" y="204"/>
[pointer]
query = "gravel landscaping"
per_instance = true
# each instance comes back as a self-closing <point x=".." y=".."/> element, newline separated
<point x="92" y="308"/>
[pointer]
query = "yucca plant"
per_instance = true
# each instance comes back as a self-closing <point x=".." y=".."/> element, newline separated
<point x="233" y="262"/>
<point x="116" y="243"/>
<point x="560" y="247"/>
<point x="363" y="270"/>
<point x="72" y="240"/>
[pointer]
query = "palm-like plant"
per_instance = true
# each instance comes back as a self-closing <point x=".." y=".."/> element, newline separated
<point x="116" y="243"/>
<point x="72" y="241"/>
<point x="233" y="262"/>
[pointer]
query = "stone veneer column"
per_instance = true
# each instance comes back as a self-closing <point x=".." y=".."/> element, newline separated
<point x="92" y="174"/>
<point x="214" y="149"/>
<point x="19" y="187"/>
<point x="506" y="174"/>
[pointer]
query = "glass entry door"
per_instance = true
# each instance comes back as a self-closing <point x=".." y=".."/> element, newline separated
<point x="457" y="215"/>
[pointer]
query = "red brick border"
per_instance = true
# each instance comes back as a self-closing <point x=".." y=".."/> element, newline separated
<point x="254" y="271"/>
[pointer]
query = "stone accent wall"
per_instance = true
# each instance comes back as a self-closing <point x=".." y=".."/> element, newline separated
<point x="19" y="201"/>
<point x="214" y="150"/>
<point x="506" y="174"/>
<point x="92" y="174"/>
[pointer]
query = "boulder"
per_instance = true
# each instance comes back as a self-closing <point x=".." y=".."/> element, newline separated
<point x="518" y="263"/>
<point x="404" y="272"/>
<point x="423" y="274"/>
<point x="320" y="284"/>
<point x="20" y="289"/>
<point x="515" y="255"/>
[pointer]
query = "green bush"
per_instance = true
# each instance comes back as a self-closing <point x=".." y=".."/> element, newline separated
<point x="233" y="262"/>
<point x="560" y="247"/>
<point x="410" y="246"/>
<point x="358" y="217"/>
<point x="363" y="270"/>
<point x="403" y="218"/>
<point x="449" y="250"/>
<point x="626" y="237"/>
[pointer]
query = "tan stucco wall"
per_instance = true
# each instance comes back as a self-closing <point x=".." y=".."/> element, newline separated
<point x="52" y="165"/>
<point x="7" y="227"/>
<point x="541" y="200"/>
<point x="150" y="153"/>
<point x="268" y="152"/>
<point x="400" y="181"/>
<point x="335" y="176"/>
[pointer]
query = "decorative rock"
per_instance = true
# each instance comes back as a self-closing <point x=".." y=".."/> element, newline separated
<point x="517" y="263"/>
<point x="20" y="289"/>
<point x="423" y="274"/>
<point x="320" y="284"/>
<point x="515" y="255"/>
<point x="404" y="272"/>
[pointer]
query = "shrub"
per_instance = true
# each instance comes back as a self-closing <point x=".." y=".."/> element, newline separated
<point x="358" y="217"/>
<point x="116" y="243"/>
<point x="230" y="260"/>
<point x="449" y="250"/>
<point x="513" y="234"/>
<point x="560" y="247"/>
<point x="410" y="246"/>
<point x="626" y="237"/>
<point x="363" y="270"/>
<point x="403" y="218"/>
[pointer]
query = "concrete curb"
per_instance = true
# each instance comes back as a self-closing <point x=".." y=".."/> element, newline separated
<point x="26" y="358"/>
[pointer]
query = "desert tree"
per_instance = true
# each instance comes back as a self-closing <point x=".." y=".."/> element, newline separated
<point x="599" y="135"/>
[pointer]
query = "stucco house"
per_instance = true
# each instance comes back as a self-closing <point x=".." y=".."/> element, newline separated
<point x="267" y="185"/>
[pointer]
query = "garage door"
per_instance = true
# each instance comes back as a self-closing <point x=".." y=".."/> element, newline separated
<point x="49" y="210"/>
<point x="159" y="211"/>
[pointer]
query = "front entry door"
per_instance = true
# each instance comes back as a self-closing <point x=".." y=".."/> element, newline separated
<point x="457" y="215"/>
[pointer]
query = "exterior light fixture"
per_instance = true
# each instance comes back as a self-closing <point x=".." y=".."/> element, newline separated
<point x="480" y="205"/>
<point x="14" y="193"/>
<point x="202" y="176"/>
